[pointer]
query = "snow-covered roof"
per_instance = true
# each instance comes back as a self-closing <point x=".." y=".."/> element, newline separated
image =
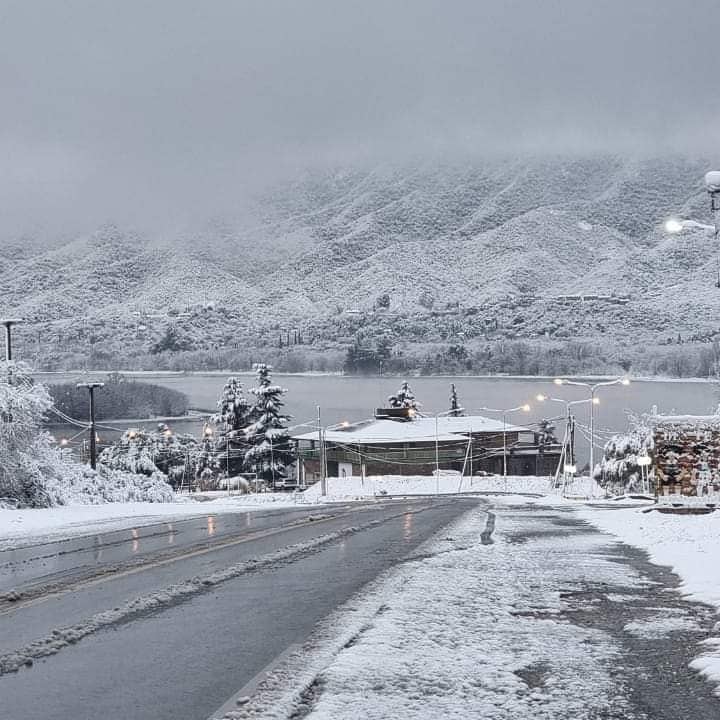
<point x="370" y="432"/>
<point x="684" y="419"/>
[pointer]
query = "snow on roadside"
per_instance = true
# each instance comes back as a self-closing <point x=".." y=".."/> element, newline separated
<point x="689" y="544"/>
<point x="34" y="525"/>
<point x="464" y="630"/>
<point x="349" y="488"/>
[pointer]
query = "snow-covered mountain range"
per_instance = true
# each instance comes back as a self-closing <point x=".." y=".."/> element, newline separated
<point x="465" y="243"/>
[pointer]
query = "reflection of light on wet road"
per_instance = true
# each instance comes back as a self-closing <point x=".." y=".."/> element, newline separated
<point x="171" y="535"/>
<point x="211" y="525"/>
<point x="136" y="541"/>
<point x="98" y="549"/>
<point x="248" y="519"/>
<point x="407" y="526"/>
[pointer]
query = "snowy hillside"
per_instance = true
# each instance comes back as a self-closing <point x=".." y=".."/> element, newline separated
<point x="467" y="253"/>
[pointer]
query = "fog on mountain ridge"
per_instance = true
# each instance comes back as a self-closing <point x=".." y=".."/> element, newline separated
<point x="166" y="116"/>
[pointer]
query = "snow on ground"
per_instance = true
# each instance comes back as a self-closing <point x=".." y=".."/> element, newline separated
<point x="351" y="488"/>
<point x="33" y="525"/>
<point x="462" y="629"/>
<point x="690" y="544"/>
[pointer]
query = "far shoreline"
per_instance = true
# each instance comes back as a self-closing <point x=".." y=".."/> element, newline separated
<point x="338" y="374"/>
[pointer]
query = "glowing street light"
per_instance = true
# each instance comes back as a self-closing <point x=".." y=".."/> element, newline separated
<point x="673" y="226"/>
<point x="712" y="185"/>
<point x="592" y="387"/>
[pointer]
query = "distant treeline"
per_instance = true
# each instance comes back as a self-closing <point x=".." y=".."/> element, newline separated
<point x="120" y="398"/>
<point x="373" y="357"/>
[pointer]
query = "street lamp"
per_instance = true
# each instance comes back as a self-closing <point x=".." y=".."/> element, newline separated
<point x="592" y="387"/>
<point x="505" y="412"/>
<point x="673" y="226"/>
<point x="8" y="323"/>
<point x="712" y="185"/>
<point x="569" y="467"/>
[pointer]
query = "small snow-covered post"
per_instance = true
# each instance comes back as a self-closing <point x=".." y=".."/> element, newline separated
<point x="93" y="438"/>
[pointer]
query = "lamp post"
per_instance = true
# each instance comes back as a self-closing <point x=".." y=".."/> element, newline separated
<point x="93" y="439"/>
<point x="505" y="413"/>
<point x="592" y="387"/>
<point x="676" y="225"/>
<point x="8" y="323"/>
<point x="568" y="464"/>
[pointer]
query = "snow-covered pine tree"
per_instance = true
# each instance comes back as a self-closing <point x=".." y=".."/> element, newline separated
<point x="404" y="398"/>
<point x="270" y="451"/>
<point x="455" y="409"/>
<point x="232" y="417"/>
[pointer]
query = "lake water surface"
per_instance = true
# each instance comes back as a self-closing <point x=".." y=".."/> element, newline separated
<point x="355" y="398"/>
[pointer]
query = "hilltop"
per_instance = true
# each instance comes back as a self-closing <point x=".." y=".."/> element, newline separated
<point x="462" y="266"/>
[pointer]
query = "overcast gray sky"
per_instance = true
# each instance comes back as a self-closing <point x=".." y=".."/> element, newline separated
<point x="142" y="110"/>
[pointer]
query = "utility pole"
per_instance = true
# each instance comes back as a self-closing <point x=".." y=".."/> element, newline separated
<point x="712" y="185"/>
<point x="8" y="323"/>
<point x="93" y="440"/>
<point x="321" y="455"/>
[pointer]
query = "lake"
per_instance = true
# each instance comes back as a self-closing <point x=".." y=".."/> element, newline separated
<point x="355" y="398"/>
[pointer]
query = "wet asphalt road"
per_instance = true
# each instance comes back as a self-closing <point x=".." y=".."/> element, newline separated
<point x="186" y="660"/>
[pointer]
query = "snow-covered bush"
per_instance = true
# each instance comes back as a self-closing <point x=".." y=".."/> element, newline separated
<point x="149" y="452"/>
<point x="618" y="471"/>
<point x="81" y="484"/>
<point x="35" y="473"/>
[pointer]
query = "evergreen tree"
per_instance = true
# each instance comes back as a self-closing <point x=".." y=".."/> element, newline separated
<point x="270" y="451"/>
<point x="404" y="398"/>
<point x="171" y="341"/>
<point x="455" y="409"/>
<point x="232" y="417"/>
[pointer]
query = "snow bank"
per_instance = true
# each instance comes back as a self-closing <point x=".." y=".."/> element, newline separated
<point x="690" y="544"/>
<point x="349" y="488"/>
<point x="34" y="525"/>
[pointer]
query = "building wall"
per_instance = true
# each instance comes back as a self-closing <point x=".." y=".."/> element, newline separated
<point x="525" y="464"/>
<point x="687" y="459"/>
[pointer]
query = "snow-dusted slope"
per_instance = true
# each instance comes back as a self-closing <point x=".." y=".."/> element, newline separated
<point x="472" y="233"/>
